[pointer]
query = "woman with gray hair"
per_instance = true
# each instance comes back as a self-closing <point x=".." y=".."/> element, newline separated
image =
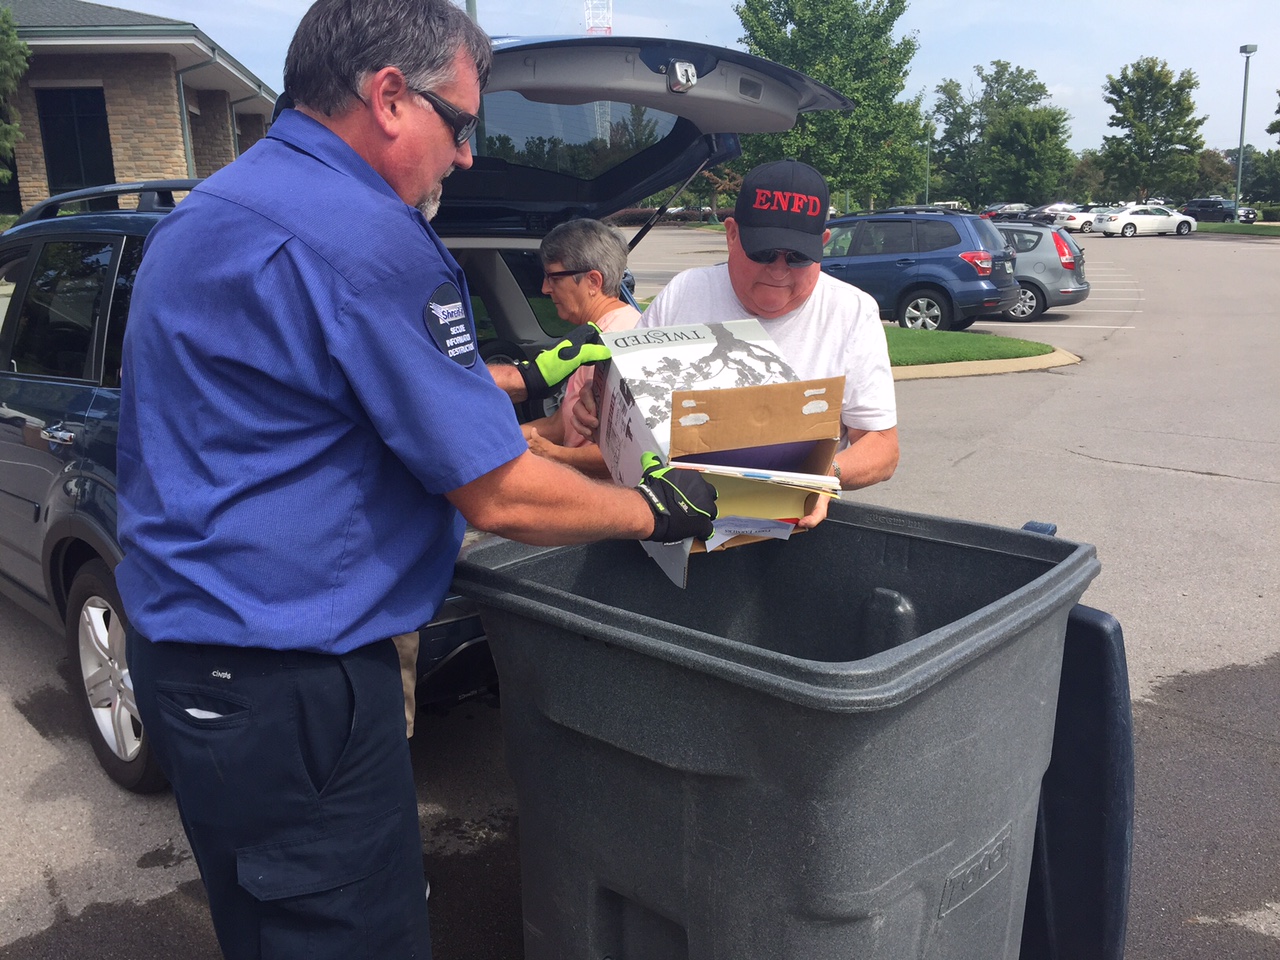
<point x="583" y="262"/>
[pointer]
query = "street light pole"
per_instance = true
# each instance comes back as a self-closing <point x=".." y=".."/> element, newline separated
<point x="1248" y="50"/>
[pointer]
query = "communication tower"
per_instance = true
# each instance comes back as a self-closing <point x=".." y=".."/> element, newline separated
<point x="599" y="16"/>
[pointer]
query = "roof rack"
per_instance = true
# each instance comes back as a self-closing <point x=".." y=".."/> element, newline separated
<point x="153" y="195"/>
<point x="923" y="208"/>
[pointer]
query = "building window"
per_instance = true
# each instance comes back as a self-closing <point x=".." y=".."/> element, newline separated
<point x="77" y="142"/>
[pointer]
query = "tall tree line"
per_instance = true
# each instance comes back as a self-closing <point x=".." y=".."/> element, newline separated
<point x="998" y="137"/>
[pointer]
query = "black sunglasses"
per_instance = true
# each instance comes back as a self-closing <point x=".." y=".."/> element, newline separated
<point x="795" y="260"/>
<point x="561" y="274"/>
<point x="464" y="124"/>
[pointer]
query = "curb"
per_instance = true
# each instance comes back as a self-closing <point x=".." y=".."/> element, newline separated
<point x="985" y="368"/>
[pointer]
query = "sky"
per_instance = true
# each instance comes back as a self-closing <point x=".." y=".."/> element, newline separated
<point x="1071" y="45"/>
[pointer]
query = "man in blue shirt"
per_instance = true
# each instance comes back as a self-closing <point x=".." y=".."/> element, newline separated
<point x="305" y="428"/>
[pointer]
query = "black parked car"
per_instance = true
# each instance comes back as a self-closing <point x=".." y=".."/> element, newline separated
<point x="66" y="278"/>
<point x="1216" y="210"/>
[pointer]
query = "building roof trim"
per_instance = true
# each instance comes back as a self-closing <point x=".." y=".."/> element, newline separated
<point x="203" y="64"/>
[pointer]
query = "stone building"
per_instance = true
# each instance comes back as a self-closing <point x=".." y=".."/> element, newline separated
<point x="116" y="96"/>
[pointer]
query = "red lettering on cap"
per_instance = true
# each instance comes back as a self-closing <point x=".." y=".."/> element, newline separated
<point x="788" y="202"/>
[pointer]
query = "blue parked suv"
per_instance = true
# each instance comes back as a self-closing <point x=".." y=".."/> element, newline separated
<point x="928" y="268"/>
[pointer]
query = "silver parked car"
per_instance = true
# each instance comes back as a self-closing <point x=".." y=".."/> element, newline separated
<point x="1049" y="268"/>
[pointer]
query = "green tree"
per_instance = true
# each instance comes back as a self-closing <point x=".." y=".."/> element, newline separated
<point x="1214" y="174"/>
<point x="1028" y="153"/>
<point x="1002" y="141"/>
<point x="1087" y="181"/>
<point x="1264" y="180"/>
<point x="1274" y="127"/>
<point x="848" y="45"/>
<point x="961" y="150"/>
<point x="14" y="54"/>
<point x="1159" y="147"/>
<point x="1247" y="187"/>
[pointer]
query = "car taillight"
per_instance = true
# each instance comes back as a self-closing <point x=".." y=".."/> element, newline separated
<point x="1064" y="252"/>
<point x="980" y="259"/>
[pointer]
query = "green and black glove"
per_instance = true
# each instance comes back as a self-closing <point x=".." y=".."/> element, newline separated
<point x="683" y="503"/>
<point x="556" y="364"/>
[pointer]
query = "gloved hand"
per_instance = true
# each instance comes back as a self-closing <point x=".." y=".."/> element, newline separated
<point x="683" y="503"/>
<point x="556" y="364"/>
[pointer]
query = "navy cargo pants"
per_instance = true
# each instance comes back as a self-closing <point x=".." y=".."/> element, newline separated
<point x="292" y="776"/>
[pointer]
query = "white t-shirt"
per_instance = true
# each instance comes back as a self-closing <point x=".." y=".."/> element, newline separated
<point x="836" y="331"/>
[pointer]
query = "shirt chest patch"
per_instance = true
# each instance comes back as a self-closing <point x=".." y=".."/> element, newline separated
<point x="450" y="326"/>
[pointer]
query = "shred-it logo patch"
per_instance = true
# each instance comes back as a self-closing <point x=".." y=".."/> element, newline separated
<point x="450" y="327"/>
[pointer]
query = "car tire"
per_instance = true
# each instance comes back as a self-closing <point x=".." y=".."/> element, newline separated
<point x="1086" y="227"/>
<point x="924" y="309"/>
<point x="1030" y="303"/>
<point x="100" y="682"/>
<point x="1184" y="228"/>
<point x="1128" y="230"/>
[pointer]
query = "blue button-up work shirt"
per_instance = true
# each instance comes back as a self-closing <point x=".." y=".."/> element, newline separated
<point x="301" y="387"/>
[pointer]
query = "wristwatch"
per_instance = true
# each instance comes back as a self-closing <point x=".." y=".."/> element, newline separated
<point x="836" y="469"/>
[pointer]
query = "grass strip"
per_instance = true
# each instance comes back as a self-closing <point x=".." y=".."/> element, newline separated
<point x="1258" y="229"/>
<point x="909" y="348"/>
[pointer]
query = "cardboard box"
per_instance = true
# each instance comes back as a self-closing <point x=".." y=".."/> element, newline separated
<point x="763" y="437"/>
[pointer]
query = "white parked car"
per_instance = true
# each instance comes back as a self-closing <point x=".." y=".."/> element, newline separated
<point x="1141" y="219"/>
<point x="1078" y="217"/>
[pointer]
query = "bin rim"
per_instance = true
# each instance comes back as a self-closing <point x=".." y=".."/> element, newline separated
<point x="886" y="679"/>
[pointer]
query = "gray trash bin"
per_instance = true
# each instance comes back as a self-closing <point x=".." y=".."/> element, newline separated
<point x="825" y="748"/>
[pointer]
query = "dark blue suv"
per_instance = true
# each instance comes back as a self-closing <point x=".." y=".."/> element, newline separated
<point x="928" y="268"/>
<point x="66" y="281"/>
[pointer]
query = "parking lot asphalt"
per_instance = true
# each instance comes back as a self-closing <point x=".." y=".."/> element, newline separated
<point x="1161" y="448"/>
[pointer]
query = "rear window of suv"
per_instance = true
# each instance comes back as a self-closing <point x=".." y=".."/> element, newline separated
<point x="988" y="236"/>
<point x="579" y="140"/>
<point x="935" y="235"/>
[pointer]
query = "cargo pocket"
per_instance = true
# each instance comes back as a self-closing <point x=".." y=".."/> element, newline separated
<point x="338" y="895"/>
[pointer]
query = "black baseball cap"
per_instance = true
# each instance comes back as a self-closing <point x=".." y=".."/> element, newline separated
<point x="782" y="205"/>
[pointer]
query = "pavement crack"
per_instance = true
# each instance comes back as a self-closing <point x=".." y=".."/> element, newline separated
<point x="1164" y="469"/>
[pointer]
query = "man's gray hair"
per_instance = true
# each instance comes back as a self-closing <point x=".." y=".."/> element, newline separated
<point x="340" y="43"/>
<point x="587" y="245"/>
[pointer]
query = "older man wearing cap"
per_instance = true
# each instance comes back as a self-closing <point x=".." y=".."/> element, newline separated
<point x="823" y="326"/>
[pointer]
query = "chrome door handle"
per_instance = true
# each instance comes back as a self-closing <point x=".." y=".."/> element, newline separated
<point x="54" y="435"/>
